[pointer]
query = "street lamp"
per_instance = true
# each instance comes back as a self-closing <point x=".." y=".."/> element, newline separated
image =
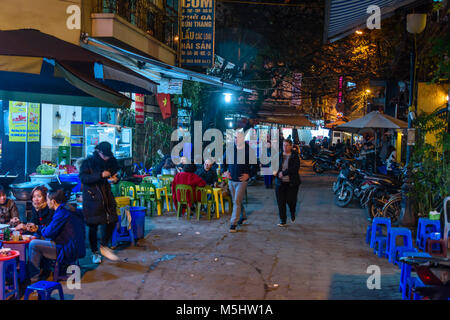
<point x="227" y="97"/>
<point x="415" y="24"/>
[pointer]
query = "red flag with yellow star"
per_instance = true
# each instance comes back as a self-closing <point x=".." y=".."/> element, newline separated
<point x="164" y="104"/>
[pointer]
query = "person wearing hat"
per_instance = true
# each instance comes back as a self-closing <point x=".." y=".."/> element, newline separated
<point x="99" y="205"/>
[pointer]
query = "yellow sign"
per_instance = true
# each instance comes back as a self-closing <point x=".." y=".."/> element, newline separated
<point x="18" y="121"/>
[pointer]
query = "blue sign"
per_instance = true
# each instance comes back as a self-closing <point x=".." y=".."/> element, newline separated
<point x="197" y="33"/>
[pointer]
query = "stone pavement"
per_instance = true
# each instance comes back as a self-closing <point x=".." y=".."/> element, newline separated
<point x="321" y="256"/>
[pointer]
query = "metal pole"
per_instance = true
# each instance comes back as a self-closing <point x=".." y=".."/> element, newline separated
<point x="26" y="146"/>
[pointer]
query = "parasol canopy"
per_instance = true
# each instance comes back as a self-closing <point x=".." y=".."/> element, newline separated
<point x="373" y="120"/>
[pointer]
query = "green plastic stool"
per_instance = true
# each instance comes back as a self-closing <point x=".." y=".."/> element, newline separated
<point x="204" y="192"/>
<point x="149" y="191"/>
<point x="183" y="189"/>
<point x="124" y="190"/>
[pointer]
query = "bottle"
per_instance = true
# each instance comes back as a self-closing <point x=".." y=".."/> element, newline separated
<point x="6" y="234"/>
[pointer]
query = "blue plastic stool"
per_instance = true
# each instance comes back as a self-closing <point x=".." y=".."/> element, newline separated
<point x="380" y="247"/>
<point x="369" y="232"/>
<point x="391" y="241"/>
<point x="377" y="224"/>
<point x="6" y="268"/>
<point x="44" y="290"/>
<point x="122" y="234"/>
<point x="424" y="228"/>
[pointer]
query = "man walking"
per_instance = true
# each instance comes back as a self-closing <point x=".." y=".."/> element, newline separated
<point x="238" y="171"/>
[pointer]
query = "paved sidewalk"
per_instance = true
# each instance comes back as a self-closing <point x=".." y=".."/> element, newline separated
<point x="322" y="256"/>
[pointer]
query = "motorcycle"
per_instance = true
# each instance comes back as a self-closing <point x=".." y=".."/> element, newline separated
<point x="435" y="275"/>
<point x="326" y="161"/>
<point x="306" y="152"/>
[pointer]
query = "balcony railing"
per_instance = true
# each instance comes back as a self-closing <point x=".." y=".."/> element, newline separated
<point x="162" y="24"/>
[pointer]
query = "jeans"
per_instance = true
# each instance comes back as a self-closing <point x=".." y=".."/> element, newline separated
<point x="268" y="180"/>
<point x="39" y="249"/>
<point x="286" y="195"/>
<point x="107" y="232"/>
<point x="237" y="193"/>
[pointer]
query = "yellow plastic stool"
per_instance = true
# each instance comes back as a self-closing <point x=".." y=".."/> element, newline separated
<point x="158" y="198"/>
<point x="217" y="192"/>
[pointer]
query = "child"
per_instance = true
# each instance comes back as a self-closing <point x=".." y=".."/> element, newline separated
<point x="8" y="209"/>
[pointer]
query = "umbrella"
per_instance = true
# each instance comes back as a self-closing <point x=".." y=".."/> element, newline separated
<point x="373" y="120"/>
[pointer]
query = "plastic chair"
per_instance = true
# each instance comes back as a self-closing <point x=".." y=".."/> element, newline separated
<point x="443" y="242"/>
<point x="148" y="191"/>
<point x="128" y="189"/>
<point x="391" y="241"/>
<point x="182" y="190"/>
<point x="377" y="223"/>
<point x="8" y="267"/>
<point x="44" y="290"/>
<point x="167" y="180"/>
<point x="203" y="200"/>
<point x="426" y="226"/>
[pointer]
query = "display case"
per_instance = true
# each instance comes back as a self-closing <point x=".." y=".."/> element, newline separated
<point x="121" y="140"/>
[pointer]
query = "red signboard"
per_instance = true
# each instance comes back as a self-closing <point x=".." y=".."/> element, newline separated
<point x="139" y="102"/>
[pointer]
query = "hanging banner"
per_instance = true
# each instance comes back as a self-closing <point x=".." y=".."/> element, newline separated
<point x="139" y="108"/>
<point x="164" y="104"/>
<point x="197" y="33"/>
<point x="18" y="121"/>
<point x="170" y="86"/>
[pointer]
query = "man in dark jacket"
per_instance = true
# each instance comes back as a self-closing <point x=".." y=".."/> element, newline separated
<point x="64" y="236"/>
<point x="207" y="173"/>
<point x="287" y="182"/>
<point x="99" y="204"/>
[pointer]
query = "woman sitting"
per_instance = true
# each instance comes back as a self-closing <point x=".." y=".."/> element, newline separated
<point x="8" y="210"/>
<point x="41" y="214"/>
<point x="64" y="237"/>
<point x="187" y="177"/>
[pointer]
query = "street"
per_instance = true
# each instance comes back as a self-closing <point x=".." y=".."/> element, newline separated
<point x="321" y="256"/>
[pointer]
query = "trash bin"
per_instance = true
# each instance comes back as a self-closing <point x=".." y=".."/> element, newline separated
<point x="138" y="221"/>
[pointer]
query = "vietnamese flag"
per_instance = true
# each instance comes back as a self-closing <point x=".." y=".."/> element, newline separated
<point x="164" y="104"/>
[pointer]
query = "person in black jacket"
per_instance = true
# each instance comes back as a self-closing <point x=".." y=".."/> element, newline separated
<point x="41" y="214"/>
<point x="287" y="182"/>
<point x="99" y="204"/>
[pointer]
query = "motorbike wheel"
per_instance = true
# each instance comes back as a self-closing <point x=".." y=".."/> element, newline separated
<point x="317" y="168"/>
<point x="393" y="210"/>
<point x="337" y="186"/>
<point x="343" y="198"/>
<point x="371" y="210"/>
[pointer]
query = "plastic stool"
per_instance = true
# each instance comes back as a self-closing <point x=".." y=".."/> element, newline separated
<point x="369" y="232"/>
<point x="380" y="247"/>
<point x="377" y="224"/>
<point x="6" y="267"/>
<point x="424" y="228"/>
<point x="391" y="241"/>
<point x="406" y="271"/>
<point x="44" y="290"/>
<point x="122" y="234"/>
<point x="400" y="251"/>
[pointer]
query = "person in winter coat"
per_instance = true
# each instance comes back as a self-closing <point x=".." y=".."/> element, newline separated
<point x="8" y="209"/>
<point x="64" y="237"/>
<point x="99" y="204"/>
<point x="287" y="182"/>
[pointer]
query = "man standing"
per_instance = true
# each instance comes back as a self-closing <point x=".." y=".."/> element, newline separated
<point x="238" y="173"/>
<point x="287" y="182"/>
<point x="312" y="145"/>
<point x="99" y="204"/>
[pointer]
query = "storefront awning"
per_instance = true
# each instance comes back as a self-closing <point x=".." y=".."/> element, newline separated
<point x="150" y="68"/>
<point x="35" y="65"/>
<point x="296" y="121"/>
<point x="343" y="17"/>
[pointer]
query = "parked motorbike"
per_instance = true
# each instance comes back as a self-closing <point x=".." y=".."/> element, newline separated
<point x="306" y="152"/>
<point x="326" y="161"/>
<point x="434" y="273"/>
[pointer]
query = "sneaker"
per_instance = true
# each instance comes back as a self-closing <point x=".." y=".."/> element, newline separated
<point x="233" y="229"/>
<point x="108" y="254"/>
<point x="281" y="224"/>
<point x="242" y="220"/>
<point x="96" y="258"/>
